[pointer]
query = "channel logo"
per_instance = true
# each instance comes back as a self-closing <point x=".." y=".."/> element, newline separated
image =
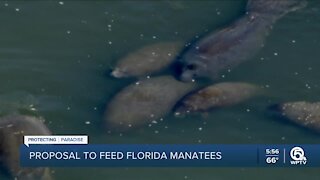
<point x="297" y="156"/>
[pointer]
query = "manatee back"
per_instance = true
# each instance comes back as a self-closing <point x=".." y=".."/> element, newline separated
<point x="147" y="60"/>
<point x="303" y="113"/>
<point x="140" y="103"/>
<point x="217" y="95"/>
<point x="274" y="9"/>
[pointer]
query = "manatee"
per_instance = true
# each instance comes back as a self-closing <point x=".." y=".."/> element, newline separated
<point x="12" y="130"/>
<point x="305" y="114"/>
<point x="215" y="96"/>
<point x="143" y="102"/>
<point x="227" y="48"/>
<point x="147" y="60"/>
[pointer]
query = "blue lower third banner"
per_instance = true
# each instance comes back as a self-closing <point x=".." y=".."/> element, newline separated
<point x="94" y="155"/>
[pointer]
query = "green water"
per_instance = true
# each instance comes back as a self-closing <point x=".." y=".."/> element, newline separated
<point x="57" y="58"/>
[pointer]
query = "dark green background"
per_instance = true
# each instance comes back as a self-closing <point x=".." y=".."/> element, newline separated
<point x="57" y="57"/>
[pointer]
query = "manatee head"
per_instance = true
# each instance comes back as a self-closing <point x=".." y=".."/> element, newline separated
<point x="118" y="73"/>
<point x="190" y="70"/>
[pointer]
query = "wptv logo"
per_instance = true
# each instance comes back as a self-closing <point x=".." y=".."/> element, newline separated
<point x="297" y="156"/>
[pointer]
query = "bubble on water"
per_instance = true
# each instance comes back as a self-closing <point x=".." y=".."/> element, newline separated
<point x="166" y="127"/>
<point x="129" y="125"/>
<point x="248" y="110"/>
<point x="148" y="77"/>
<point x="87" y="122"/>
<point x="17" y="9"/>
<point x="137" y="83"/>
<point x="68" y="32"/>
<point x="199" y="141"/>
<point x="109" y="42"/>
<point x="308" y="86"/>
<point x="275" y="53"/>
<point x="156" y="132"/>
<point x="309" y="68"/>
<point x="109" y="25"/>
<point x="200" y="128"/>
<point x="61" y="2"/>
<point x="95" y="108"/>
<point x="262" y="58"/>
<point x="218" y="12"/>
<point x="293" y="41"/>
<point x="187" y="44"/>
<point x="185" y="177"/>
<point x="120" y="134"/>
<point x="247" y="128"/>
<point x="6" y="4"/>
<point x="68" y="108"/>
<point x="283" y="138"/>
<point x="296" y="73"/>
<point x="267" y="86"/>
<point x="154" y="122"/>
<point x="154" y="37"/>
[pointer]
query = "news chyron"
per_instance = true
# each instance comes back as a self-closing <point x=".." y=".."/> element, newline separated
<point x="76" y="151"/>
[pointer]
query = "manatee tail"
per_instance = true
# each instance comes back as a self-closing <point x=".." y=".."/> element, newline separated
<point x="274" y="9"/>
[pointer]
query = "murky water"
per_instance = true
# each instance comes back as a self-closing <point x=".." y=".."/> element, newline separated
<point x="55" y="57"/>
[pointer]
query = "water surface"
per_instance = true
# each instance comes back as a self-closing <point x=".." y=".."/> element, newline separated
<point x="55" y="57"/>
